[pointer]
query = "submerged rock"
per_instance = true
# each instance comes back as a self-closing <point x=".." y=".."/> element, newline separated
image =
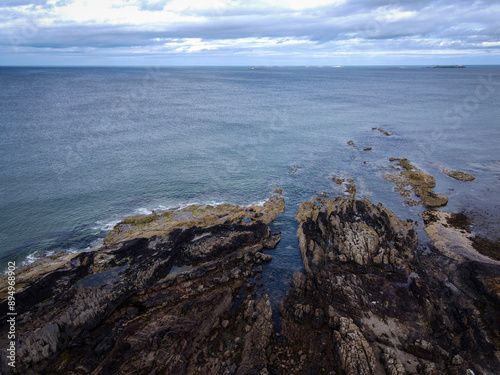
<point x="382" y="131"/>
<point x="457" y="175"/>
<point x="419" y="182"/>
<point x="350" y="187"/>
<point x="338" y="180"/>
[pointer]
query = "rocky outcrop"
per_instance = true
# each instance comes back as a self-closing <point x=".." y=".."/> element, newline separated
<point x="348" y="184"/>
<point x="420" y="183"/>
<point x="457" y="175"/>
<point x="370" y="304"/>
<point x="120" y="309"/>
<point x="454" y="242"/>
<point x="176" y="293"/>
<point x="382" y="131"/>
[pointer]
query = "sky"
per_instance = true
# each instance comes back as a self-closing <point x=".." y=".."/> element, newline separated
<point x="260" y="32"/>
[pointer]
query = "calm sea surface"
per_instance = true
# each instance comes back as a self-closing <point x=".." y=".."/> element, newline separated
<point x="82" y="147"/>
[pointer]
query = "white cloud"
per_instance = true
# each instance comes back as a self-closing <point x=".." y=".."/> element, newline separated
<point x="324" y="28"/>
<point x="490" y="44"/>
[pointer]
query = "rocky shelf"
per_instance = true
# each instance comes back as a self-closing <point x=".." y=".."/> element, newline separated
<point x="174" y="293"/>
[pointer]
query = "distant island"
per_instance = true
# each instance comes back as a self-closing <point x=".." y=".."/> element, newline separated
<point x="448" y="66"/>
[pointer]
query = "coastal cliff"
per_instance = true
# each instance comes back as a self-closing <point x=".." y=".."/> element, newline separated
<point x="175" y="293"/>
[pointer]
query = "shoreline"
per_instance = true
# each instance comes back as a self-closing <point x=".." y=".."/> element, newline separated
<point x="130" y="277"/>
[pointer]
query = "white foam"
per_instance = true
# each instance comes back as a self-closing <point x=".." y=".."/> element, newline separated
<point x="260" y="203"/>
<point x="106" y="225"/>
<point x="143" y="211"/>
<point x="31" y="258"/>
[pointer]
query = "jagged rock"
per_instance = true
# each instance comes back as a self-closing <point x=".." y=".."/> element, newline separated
<point x="368" y="302"/>
<point x="354" y="352"/>
<point x="141" y="318"/>
<point x="368" y="291"/>
<point x="347" y="230"/>
<point x="424" y="345"/>
<point x="261" y="257"/>
<point x="393" y="366"/>
<point x="257" y="339"/>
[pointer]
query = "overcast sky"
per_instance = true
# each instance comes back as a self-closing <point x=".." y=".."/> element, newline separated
<point x="237" y="32"/>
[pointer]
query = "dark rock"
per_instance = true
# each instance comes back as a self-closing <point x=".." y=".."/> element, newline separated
<point x="142" y="319"/>
<point x="368" y="300"/>
<point x="368" y="303"/>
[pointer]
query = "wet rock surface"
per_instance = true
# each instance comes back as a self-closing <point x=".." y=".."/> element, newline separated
<point x="457" y="175"/>
<point x="369" y="303"/>
<point x="118" y="309"/>
<point x="450" y="235"/>
<point x="382" y="131"/>
<point x="412" y="181"/>
<point x="181" y="298"/>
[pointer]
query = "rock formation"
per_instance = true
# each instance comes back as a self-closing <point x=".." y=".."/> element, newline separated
<point x="382" y="131"/>
<point x="175" y="293"/>
<point x="370" y="304"/>
<point x="119" y="309"/>
<point x="420" y="183"/>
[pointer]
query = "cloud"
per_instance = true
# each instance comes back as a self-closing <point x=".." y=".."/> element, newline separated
<point x="290" y="28"/>
<point x="19" y="3"/>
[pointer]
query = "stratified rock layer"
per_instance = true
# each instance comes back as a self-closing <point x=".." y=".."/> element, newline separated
<point x="121" y="310"/>
<point x="368" y="304"/>
<point x="173" y="293"/>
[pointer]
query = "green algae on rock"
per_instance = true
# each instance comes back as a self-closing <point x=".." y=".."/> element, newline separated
<point x="457" y="175"/>
<point x="195" y="215"/>
<point x="420" y="183"/>
<point x="350" y="187"/>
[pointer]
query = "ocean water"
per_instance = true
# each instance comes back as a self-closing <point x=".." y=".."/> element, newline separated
<point x="80" y="148"/>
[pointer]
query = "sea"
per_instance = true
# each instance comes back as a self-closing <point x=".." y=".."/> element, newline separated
<point x="83" y="147"/>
